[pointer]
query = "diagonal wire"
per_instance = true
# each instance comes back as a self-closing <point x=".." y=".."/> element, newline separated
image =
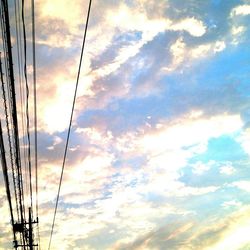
<point x="70" y="123"/>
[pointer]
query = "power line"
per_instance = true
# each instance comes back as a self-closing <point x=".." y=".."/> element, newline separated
<point x="23" y="92"/>
<point x="27" y="102"/>
<point x="10" y="82"/>
<point x="35" y="96"/>
<point x="8" y="133"/>
<point x="21" y="88"/>
<point x="9" y="136"/>
<point x="6" y="178"/>
<point x="10" y="76"/>
<point x="22" y="227"/>
<point x="35" y="109"/>
<point x="70" y="123"/>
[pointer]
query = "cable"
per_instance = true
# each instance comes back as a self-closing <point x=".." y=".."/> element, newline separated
<point x="9" y="137"/>
<point x="12" y="102"/>
<point x="7" y="40"/>
<point x="25" y="150"/>
<point x="6" y="178"/>
<point x="19" y="61"/>
<point x="7" y="118"/>
<point x="35" y="110"/>
<point x="35" y="97"/>
<point x="27" y="103"/>
<point x="70" y="123"/>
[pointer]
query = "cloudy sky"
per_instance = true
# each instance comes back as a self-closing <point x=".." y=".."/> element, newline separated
<point x="159" y="151"/>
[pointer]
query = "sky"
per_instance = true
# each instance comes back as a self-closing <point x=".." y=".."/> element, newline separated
<point x="159" y="151"/>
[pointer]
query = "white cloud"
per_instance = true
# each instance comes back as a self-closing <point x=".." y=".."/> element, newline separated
<point x="244" y="140"/>
<point x="236" y="30"/>
<point x="223" y="232"/>
<point x="167" y="139"/>
<point x="243" y="185"/>
<point x="240" y="10"/>
<point x="191" y="25"/>
<point x="165" y="149"/>
<point x="56" y="140"/>
<point x="164" y="146"/>
<point x="219" y="46"/>
<point x="200" y="168"/>
<point x="232" y="203"/>
<point x="187" y="132"/>
<point x="184" y="55"/>
<point x="178" y="51"/>
<point x="96" y="136"/>
<point x="62" y="19"/>
<point x="235" y="238"/>
<point x="118" y="19"/>
<point x="125" y="19"/>
<point x="227" y="169"/>
<point x="91" y="177"/>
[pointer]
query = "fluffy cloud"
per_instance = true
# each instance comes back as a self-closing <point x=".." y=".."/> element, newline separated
<point x="187" y="132"/>
<point x="193" y="26"/>
<point x="92" y="182"/>
<point x="243" y="185"/>
<point x="232" y="203"/>
<point x="240" y="10"/>
<point x="229" y="232"/>
<point x="237" y="30"/>
<point x="243" y="139"/>
<point x="183" y="55"/>
<point x="200" y="168"/>
<point x="234" y="238"/>
<point x="227" y="169"/>
<point x="115" y="20"/>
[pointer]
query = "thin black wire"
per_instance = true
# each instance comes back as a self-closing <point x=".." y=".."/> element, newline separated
<point x="11" y="110"/>
<point x="9" y="136"/>
<point x="7" y="121"/>
<point x="35" y="96"/>
<point x="19" y="62"/>
<point x="35" y="111"/>
<point x="70" y="123"/>
<point x="27" y="103"/>
<point x="6" y="178"/>
<point x="23" y="94"/>
<point x="7" y="40"/>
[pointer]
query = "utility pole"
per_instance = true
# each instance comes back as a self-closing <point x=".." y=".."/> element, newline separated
<point x="26" y="229"/>
<point x="17" y="227"/>
<point x="30" y="230"/>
